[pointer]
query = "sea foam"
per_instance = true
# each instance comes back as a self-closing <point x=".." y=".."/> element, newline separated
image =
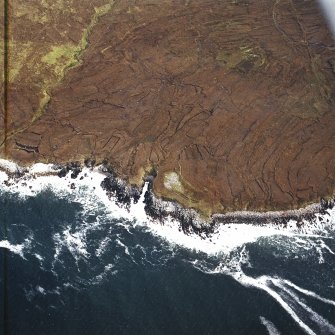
<point x="86" y="190"/>
<point x="225" y="247"/>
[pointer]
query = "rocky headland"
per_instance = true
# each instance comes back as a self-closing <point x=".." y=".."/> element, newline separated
<point x="157" y="209"/>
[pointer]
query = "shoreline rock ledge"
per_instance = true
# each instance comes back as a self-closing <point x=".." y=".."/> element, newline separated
<point x="159" y="209"/>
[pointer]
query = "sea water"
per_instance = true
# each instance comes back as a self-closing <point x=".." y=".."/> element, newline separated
<point x="74" y="262"/>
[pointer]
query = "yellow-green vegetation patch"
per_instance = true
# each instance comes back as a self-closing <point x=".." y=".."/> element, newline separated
<point x="103" y="9"/>
<point x="40" y="61"/>
<point x="243" y="58"/>
<point x="64" y="56"/>
<point x="172" y="182"/>
<point x="31" y="13"/>
<point x="58" y="5"/>
<point x="18" y="55"/>
<point x="43" y="102"/>
<point x="99" y="11"/>
<point x="61" y="57"/>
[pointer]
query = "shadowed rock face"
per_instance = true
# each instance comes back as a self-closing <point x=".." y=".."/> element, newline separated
<point x="232" y="103"/>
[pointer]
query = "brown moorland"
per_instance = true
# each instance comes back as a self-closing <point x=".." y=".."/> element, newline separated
<point x="231" y="103"/>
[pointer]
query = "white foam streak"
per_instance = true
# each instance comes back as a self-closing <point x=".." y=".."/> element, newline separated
<point x="270" y="327"/>
<point x="15" y="248"/>
<point x="309" y="293"/>
<point x="262" y="283"/>
<point x="102" y="247"/>
<point x="126" y="250"/>
<point x="75" y="243"/>
<point x="317" y="318"/>
<point x="41" y="290"/>
<point x="285" y="297"/>
<point x="325" y="246"/>
<point x="108" y="270"/>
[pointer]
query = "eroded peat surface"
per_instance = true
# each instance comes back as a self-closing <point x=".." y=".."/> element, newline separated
<point x="229" y="103"/>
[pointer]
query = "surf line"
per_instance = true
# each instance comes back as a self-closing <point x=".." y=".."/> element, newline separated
<point x="140" y="203"/>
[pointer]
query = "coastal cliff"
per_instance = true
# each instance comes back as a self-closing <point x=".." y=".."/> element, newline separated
<point x="228" y="105"/>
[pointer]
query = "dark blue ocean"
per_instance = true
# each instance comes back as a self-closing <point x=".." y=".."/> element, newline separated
<point x="70" y="263"/>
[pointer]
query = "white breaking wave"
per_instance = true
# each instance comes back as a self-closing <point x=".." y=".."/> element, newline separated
<point x="74" y="242"/>
<point x="227" y="244"/>
<point x="18" y="249"/>
<point x="15" y="248"/>
<point x="8" y="166"/>
<point x="88" y="192"/>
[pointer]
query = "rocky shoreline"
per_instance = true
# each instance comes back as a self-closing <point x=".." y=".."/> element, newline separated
<point x="232" y="116"/>
<point x="159" y="209"/>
